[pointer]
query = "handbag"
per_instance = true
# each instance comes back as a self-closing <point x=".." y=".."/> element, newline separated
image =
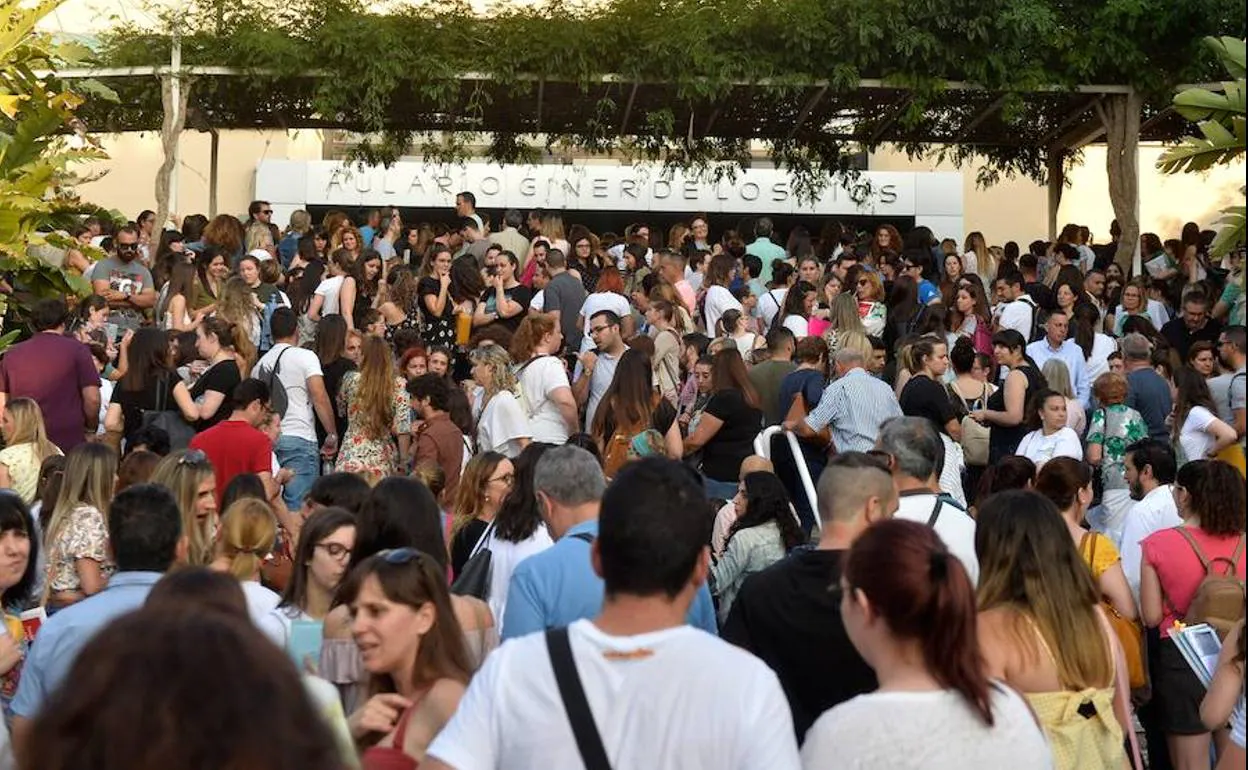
<point x="180" y="432"/>
<point x="572" y="693"/>
<point x="474" y="578"/>
<point x="975" y="436"/>
<point x="800" y="410"/>
<point x="1129" y="634"/>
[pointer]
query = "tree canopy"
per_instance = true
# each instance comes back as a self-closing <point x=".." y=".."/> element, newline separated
<point x="373" y="69"/>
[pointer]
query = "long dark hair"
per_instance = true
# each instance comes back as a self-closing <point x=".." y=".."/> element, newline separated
<point x="15" y="517"/>
<point x="519" y="516"/>
<point x="400" y="512"/>
<point x="318" y="526"/>
<point x="1217" y="495"/>
<point x="924" y="594"/>
<point x="147" y="359"/>
<point x="728" y="372"/>
<point x="1191" y="390"/>
<point x="1083" y="326"/>
<point x="767" y="500"/>
<point x="629" y="399"/>
<point x="331" y="338"/>
<point x="206" y="258"/>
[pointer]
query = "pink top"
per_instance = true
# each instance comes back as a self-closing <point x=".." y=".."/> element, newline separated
<point x="816" y="327"/>
<point x="1179" y="569"/>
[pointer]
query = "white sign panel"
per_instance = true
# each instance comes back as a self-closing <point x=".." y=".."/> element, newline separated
<point x="583" y="186"/>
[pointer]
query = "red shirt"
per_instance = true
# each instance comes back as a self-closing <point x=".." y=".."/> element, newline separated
<point x="234" y="448"/>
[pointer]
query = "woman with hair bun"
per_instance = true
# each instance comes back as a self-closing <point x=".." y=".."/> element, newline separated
<point x="247" y="536"/>
<point x="909" y="609"/>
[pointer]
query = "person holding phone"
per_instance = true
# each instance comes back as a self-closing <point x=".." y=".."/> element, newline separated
<point x="124" y="281"/>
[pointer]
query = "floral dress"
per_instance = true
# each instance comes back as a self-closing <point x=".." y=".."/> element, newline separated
<point x="360" y="453"/>
<point x="411" y="320"/>
<point x="1114" y="428"/>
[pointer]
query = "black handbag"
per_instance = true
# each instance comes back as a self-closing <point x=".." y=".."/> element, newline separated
<point x="474" y="578"/>
<point x="169" y="420"/>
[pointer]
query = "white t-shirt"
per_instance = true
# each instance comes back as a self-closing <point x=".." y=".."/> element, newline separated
<point x="504" y="556"/>
<point x="1040" y="448"/>
<point x="260" y="601"/>
<point x="718" y="301"/>
<point x="1193" y="438"/>
<point x="798" y="325"/>
<point x="955" y="527"/>
<point x="677" y="698"/>
<point x="935" y="730"/>
<point x="502" y="423"/>
<point x="296" y="367"/>
<point x="276" y="624"/>
<point x="1017" y="315"/>
<point x="1098" y="362"/>
<point x="539" y="379"/>
<point x="329" y="289"/>
<point x="769" y="304"/>
<point x="596" y="303"/>
<point x="538" y="303"/>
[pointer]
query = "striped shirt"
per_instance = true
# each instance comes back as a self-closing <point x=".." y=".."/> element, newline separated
<point x="854" y="406"/>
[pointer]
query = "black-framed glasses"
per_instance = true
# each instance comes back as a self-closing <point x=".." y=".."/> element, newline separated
<point x="335" y="550"/>
<point x="400" y="555"/>
<point x="266" y="211"/>
<point x="127" y="247"/>
<point x="599" y="329"/>
<point x="506" y="478"/>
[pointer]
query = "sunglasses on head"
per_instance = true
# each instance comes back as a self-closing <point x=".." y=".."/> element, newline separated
<point x="193" y="457"/>
<point x="399" y="555"/>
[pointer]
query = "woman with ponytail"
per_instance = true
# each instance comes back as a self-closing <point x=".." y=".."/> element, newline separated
<point x="209" y="400"/>
<point x="247" y="535"/>
<point x="1043" y="633"/>
<point x="909" y="609"/>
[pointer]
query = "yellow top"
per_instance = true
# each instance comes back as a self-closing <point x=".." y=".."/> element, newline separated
<point x="1098" y="553"/>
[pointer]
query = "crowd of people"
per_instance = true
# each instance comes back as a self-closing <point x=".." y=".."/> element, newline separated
<point x="500" y="494"/>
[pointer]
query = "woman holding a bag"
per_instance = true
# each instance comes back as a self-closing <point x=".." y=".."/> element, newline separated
<point x="483" y="486"/>
<point x="970" y="391"/>
<point x="149" y="387"/>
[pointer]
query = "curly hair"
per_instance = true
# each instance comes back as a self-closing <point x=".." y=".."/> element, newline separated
<point x="375" y="392"/>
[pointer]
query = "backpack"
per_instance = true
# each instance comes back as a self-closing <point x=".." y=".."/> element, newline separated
<point x="1037" y="328"/>
<point x="1219" y="599"/>
<point x="975" y="436"/>
<point x="266" y="323"/>
<point x="277" y="391"/>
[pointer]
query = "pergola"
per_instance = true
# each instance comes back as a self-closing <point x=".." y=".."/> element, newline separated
<point x="1046" y="123"/>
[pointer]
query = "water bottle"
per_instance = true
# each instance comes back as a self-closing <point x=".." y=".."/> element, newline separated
<point x="327" y="466"/>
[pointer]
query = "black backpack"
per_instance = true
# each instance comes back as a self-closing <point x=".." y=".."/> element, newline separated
<point x="277" y="391"/>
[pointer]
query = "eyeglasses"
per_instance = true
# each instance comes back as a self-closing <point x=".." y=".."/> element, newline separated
<point x="266" y="211"/>
<point x="599" y="329"/>
<point x="127" y="247"/>
<point x="335" y="550"/>
<point x="506" y="478"/>
<point x="400" y="555"/>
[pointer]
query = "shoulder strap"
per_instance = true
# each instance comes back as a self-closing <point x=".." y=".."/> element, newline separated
<point x="584" y="536"/>
<point x="481" y="541"/>
<point x="588" y="741"/>
<point x="1204" y="561"/>
<point x="931" y="520"/>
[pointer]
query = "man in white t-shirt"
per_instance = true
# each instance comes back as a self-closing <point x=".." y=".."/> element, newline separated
<point x="1016" y="309"/>
<point x="299" y="373"/>
<point x="1150" y="468"/>
<point x="916" y="456"/>
<point x="654" y="692"/>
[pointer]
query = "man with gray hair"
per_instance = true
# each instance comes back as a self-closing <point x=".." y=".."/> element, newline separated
<point x="853" y="406"/>
<point x="558" y="586"/>
<point x="1147" y="391"/>
<point x="764" y="248"/>
<point x="916" y="456"/>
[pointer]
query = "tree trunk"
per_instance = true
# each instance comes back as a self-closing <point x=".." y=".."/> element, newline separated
<point x="170" y="129"/>
<point x="1121" y="115"/>
<point x="1056" y="184"/>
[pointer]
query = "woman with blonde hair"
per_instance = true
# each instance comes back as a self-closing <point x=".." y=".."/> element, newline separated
<point x="239" y="306"/>
<point x="978" y="258"/>
<point x="374" y="399"/>
<point x="1042" y="631"/>
<point x="1057" y="374"/>
<point x="484" y="484"/>
<point x="843" y="319"/>
<point x="502" y="425"/>
<point x="79" y="563"/>
<point x="348" y="238"/>
<point x="248" y="534"/>
<point x="258" y="237"/>
<point x="189" y="476"/>
<point x="26" y="446"/>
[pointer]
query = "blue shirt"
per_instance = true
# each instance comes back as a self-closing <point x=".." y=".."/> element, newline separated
<point x="63" y="636"/>
<point x="1149" y="394"/>
<point x="927" y="292"/>
<point x="1070" y="354"/>
<point x="854" y="407"/>
<point x="558" y="585"/>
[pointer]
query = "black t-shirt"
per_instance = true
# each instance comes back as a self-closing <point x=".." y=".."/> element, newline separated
<point x="924" y="397"/>
<point x="134" y="402"/>
<point x="463" y="543"/>
<point x="333" y="373"/>
<point x="221" y="377"/>
<point x="722" y="455"/>
<point x="783" y="613"/>
<point x="519" y="294"/>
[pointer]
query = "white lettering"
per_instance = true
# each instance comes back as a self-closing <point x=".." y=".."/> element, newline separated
<point x="598" y="188"/>
<point x="691" y="189"/>
<point x="528" y="187"/>
<point x="363" y="182"/>
<point x="628" y="188"/>
<point x="572" y="189"/>
<point x="667" y="189"/>
<point x="416" y="186"/>
<point x="443" y="183"/>
<point x="780" y="192"/>
<point x="888" y="193"/>
<point x="386" y="179"/>
<point x="749" y="191"/>
<point x="491" y="185"/>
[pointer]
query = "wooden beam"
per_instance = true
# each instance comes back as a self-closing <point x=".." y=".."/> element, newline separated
<point x="810" y="104"/>
<point x="983" y="115"/>
<point x="889" y="120"/>
<point x="1067" y="121"/>
<point x="628" y="109"/>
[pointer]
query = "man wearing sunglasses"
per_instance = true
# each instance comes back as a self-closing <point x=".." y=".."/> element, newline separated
<point x="124" y="281"/>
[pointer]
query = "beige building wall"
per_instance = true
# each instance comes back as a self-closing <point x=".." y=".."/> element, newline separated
<point x="1012" y="210"/>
